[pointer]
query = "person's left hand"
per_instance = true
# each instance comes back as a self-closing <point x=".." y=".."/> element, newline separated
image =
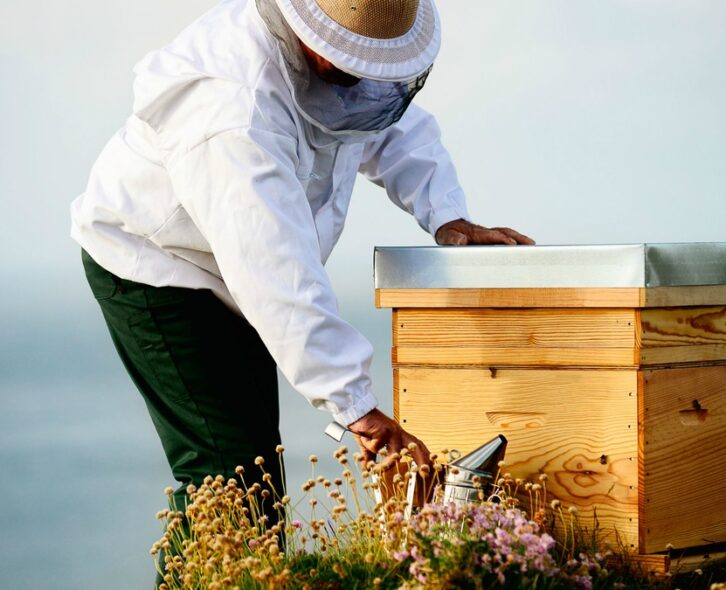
<point x="460" y="232"/>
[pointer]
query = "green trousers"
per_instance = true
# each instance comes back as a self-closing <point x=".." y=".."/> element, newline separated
<point x="208" y="381"/>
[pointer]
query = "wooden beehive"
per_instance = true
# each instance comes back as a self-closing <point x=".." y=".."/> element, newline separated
<point x="604" y="366"/>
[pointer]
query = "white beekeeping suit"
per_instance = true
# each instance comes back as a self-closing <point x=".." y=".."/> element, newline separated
<point x="235" y="171"/>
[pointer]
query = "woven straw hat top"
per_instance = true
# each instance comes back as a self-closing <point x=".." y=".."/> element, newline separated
<point x="391" y="40"/>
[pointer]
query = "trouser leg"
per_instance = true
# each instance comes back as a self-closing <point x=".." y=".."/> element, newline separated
<point x="208" y="381"/>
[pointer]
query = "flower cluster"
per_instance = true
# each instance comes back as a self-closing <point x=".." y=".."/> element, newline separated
<point x="484" y="542"/>
<point x="360" y="530"/>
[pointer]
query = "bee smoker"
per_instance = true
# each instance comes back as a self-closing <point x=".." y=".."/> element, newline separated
<point x="482" y="463"/>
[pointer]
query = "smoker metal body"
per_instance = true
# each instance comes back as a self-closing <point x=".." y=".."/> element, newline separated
<point x="470" y="478"/>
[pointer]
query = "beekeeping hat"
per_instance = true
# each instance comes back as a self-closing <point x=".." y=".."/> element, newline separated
<point x="390" y="70"/>
<point x="385" y="40"/>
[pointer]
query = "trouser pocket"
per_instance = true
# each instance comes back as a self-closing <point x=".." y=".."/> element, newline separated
<point x="103" y="284"/>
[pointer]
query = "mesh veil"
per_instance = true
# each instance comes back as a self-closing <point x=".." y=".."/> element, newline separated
<point x="367" y="106"/>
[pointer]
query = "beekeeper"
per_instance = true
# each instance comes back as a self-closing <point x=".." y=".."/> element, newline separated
<point x="209" y="216"/>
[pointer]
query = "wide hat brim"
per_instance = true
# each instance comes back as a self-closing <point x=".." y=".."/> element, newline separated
<point x="397" y="59"/>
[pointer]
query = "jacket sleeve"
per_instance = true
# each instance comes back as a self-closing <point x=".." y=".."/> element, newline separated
<point x="409" y="160"/>
<point x="241" y="191"/>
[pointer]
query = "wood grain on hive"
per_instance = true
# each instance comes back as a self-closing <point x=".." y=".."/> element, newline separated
<point x="605" y="367"/>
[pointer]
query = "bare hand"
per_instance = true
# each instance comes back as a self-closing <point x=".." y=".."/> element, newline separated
<point x="375" y="430"/>
<point x="464" y="233"/>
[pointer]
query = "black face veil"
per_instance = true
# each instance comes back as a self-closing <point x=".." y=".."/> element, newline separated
<point x="368" y="106"/>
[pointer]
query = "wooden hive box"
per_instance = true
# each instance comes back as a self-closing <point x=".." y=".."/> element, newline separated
<point x="604" y="366"/>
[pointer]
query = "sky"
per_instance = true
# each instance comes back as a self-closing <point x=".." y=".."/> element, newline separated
<point x="588" y="122"/>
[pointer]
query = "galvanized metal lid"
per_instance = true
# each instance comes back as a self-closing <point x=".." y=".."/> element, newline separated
<point x="601" y="266"/>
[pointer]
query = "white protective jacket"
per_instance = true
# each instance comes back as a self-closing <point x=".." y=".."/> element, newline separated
<point x="217" y="182"/>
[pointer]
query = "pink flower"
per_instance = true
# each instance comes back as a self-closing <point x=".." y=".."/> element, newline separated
<point x="400" y="555"/>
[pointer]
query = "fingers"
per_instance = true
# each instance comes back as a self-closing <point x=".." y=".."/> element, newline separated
<point x="451" y="237"/>
<point x="372" y="446"/>
<point x="402" y="440"/>
<point x="375" y="430"/>
<point x="421" y="453"/>
<point x="475" y="234"/>
<point x="368" y="455"/>
<point x="515" y="235"/>
<point x="460" y="232"/>
<point x="483" y="235"/>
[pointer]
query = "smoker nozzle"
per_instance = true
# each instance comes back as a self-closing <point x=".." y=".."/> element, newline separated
<point x="485" y="458"/>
